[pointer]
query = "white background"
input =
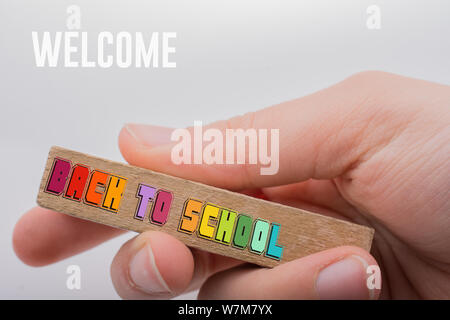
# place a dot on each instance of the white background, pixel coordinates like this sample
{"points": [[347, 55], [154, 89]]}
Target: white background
{"points": [[232, 57]]}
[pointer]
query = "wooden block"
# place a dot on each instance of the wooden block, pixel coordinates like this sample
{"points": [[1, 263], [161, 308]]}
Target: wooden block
{"points": [[201, 216]]}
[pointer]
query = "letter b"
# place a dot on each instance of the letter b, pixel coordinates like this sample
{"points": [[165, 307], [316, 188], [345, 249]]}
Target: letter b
{"points": [[58, 176]]}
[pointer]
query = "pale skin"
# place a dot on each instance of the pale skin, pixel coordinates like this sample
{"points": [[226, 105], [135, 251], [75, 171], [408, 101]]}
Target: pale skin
{"points": [[373, 149]]}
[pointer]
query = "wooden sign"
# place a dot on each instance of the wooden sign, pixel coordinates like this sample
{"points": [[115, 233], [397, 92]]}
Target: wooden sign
{"points": [[201, 216]]}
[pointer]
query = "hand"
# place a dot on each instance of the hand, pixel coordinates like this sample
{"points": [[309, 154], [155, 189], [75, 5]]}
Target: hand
{"points": [[373, 149]]}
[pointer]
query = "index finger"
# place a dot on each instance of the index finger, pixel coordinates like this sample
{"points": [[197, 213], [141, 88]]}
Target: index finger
{"points": [[43, 236]]}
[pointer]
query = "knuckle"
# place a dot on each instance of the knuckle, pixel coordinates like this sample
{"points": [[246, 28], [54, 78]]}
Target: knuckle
{"points": [[368, 75]]}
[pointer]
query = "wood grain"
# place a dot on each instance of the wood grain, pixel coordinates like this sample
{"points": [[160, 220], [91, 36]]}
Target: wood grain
{"points": [[301, 232]]}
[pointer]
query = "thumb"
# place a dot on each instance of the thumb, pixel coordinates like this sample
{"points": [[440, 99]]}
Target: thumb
{"points": [[338, 273], [320, 137]]}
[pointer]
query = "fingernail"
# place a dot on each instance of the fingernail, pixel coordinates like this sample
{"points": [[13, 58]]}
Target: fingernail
{"points": [[144, 273], [344, 279], [148, 135]]}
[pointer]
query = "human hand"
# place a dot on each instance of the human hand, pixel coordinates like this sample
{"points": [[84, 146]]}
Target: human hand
{"points": [[373, 149]]}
